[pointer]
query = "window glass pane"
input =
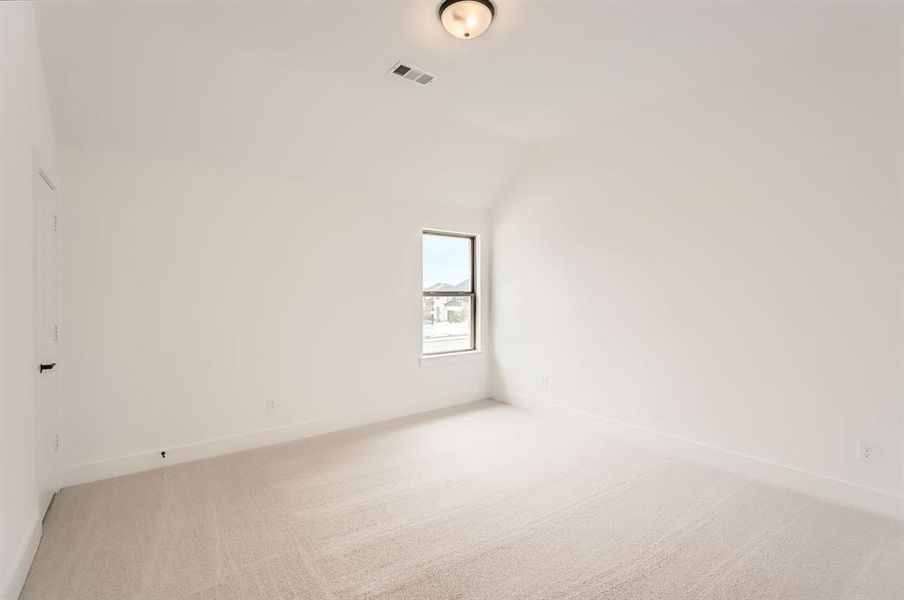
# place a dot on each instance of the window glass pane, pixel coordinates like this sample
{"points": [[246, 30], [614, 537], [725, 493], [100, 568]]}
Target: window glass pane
{"points": [[447, 263], [447, 324]]}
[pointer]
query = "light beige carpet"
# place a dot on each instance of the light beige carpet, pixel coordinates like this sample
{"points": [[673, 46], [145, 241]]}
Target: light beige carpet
{"points": [[484, 502]]}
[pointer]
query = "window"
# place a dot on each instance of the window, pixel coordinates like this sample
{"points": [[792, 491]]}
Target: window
{"points": [[449, 300]]}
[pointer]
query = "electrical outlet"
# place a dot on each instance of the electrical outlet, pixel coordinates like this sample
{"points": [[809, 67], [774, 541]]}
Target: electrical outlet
{"points": [[866, 452], [544, 382], [271, 405]]}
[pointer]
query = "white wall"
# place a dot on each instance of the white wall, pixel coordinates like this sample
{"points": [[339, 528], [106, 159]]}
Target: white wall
{"points": [[726, 265], [26, 141], [191, 294]]}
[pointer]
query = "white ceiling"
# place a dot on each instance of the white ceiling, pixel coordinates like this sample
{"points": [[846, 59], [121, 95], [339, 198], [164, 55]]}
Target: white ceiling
{"points": [[301, 77]]}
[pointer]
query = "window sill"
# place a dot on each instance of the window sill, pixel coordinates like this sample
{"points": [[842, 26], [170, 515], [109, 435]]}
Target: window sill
{"points": [[452, 358]]}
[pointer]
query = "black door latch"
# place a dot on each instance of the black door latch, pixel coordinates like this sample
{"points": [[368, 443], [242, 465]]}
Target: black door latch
{"points": [[46, 367]]}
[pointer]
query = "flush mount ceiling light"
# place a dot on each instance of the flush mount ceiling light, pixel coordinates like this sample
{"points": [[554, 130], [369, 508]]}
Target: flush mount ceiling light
{"points": [[466, 19]]}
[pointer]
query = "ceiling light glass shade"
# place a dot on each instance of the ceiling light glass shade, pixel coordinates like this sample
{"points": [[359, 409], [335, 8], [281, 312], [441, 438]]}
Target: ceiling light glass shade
{"points": [[466, 19]]}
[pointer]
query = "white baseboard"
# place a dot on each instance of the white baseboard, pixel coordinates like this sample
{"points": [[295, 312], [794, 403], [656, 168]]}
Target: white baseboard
{"points": [[144, 461], [799, 480], [11, 585]]}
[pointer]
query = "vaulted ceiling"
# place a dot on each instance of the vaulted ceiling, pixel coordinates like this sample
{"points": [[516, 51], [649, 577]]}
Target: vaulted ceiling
{"points": [[270, 84]]}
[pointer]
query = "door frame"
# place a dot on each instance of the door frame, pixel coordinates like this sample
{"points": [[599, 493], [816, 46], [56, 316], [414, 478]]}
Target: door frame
{"points": [[46, 481]]}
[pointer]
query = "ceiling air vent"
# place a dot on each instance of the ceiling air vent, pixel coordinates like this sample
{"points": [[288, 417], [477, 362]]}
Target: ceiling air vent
{"points": [[412, 73]]}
